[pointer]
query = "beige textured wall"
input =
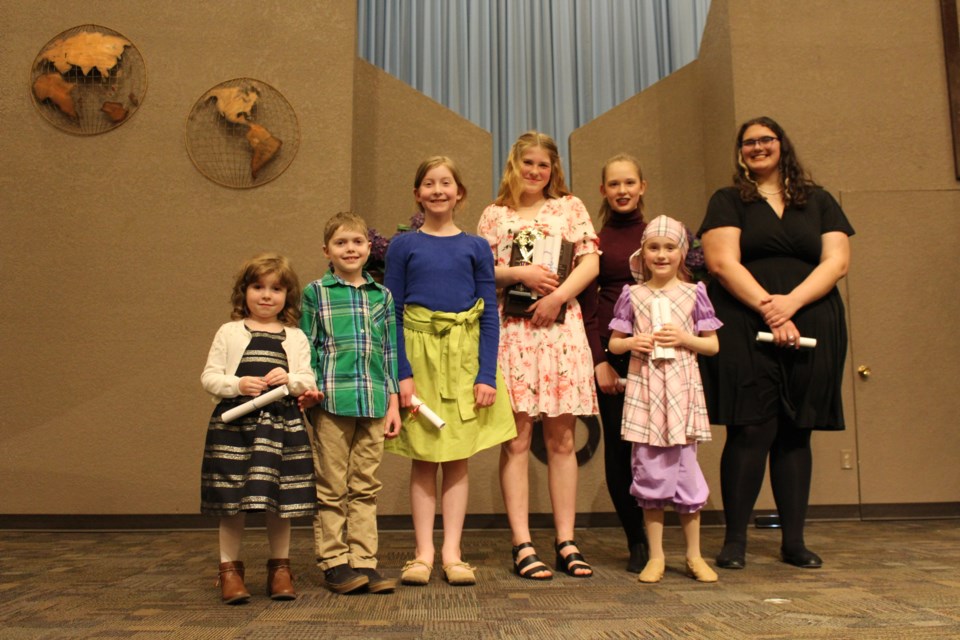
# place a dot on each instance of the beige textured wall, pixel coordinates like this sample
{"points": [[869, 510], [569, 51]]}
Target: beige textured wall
{"points": [[134, 251], [120, 254], [863, 96], [395, 128]]}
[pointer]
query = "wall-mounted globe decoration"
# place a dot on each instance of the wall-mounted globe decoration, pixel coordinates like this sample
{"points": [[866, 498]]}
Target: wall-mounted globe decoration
{"points": [[242, 133], [88, 80]]}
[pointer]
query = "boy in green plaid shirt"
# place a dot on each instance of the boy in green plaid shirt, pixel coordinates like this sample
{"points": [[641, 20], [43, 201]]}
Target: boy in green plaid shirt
{"points": [[350, 322]]}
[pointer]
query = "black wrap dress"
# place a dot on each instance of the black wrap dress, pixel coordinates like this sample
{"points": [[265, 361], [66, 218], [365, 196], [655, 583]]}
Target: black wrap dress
{"points": [[750, 382]]}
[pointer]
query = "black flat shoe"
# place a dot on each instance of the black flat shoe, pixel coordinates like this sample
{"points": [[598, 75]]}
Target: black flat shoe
{"points": [[572, 562], [803, 558], [639, 555], [732, 556]]}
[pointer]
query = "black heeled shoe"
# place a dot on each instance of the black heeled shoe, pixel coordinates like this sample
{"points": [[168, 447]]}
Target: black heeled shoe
{"points": [[732, 556], [531, 565], [803, 558], [573, 561], [639, 554]]}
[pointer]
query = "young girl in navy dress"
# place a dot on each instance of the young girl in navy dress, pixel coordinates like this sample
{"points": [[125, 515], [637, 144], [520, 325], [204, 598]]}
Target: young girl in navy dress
{"points": [[665, 322], [448, 330], [261, 461]]}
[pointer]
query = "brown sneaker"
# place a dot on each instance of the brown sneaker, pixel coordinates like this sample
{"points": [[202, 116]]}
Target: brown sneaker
{"points": [[344, 579], [377, 583], [232, 589]]}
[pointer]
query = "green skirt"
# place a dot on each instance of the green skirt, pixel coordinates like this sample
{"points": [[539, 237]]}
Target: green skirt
{"points": [[444, 352]]}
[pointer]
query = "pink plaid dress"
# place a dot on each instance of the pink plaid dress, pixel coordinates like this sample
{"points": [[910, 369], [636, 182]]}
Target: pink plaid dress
{"points": [[664, 404]]}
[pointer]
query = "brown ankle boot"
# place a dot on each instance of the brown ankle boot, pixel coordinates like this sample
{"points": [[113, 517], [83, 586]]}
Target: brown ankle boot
{"points": [[231, 584], [280, 580]]}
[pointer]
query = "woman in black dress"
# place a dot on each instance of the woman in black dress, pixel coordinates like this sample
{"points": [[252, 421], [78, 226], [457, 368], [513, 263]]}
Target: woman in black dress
{"points": [[776, 245]]}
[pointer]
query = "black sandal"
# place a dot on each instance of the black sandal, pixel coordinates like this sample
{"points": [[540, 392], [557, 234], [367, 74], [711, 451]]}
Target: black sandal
{"points": [[528, 562], [572, 561]]}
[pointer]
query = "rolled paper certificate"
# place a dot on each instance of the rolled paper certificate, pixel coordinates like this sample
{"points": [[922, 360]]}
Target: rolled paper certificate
{"points": [[252, 405], [764, 336], [546, 252], [550, 258], [659, 316], [417, 406]]}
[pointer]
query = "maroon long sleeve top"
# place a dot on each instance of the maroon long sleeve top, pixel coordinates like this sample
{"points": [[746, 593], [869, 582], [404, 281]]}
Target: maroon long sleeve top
{"points": [[619, 238]]}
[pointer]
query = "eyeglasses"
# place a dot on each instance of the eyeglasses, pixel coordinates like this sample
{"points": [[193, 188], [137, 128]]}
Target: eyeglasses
{"points": [[750, 143]]}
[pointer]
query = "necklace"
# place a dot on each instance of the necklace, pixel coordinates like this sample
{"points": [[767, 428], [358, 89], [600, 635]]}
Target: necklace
{"points": [[770, 193]]}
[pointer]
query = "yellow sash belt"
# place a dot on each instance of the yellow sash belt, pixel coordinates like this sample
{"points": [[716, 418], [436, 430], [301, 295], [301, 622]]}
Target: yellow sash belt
{"points": [[454, 355]]}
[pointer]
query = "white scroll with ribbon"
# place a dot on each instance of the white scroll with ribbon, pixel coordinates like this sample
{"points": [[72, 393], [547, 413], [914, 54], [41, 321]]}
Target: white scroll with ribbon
{"points": [[765, 336], [418, 407], [257, 403], [659, 316]]}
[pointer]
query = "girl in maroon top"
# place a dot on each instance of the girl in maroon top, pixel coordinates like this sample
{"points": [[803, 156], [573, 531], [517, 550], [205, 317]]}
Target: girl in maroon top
{"points": [[621, 217]]}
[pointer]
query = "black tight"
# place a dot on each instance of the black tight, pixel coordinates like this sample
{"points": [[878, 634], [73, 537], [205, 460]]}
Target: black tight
{"points": [[618, 459], [742, 466]]}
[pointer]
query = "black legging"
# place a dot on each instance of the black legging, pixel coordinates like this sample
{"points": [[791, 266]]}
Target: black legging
{"points": [[617, 457], [742, 466]]}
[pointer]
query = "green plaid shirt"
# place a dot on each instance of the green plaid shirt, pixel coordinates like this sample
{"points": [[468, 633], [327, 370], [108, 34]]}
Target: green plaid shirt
{"points": [[353, 344]]}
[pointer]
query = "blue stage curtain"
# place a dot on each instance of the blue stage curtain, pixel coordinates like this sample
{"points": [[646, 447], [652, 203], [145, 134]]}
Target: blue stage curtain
{"points": [[513, 65]]}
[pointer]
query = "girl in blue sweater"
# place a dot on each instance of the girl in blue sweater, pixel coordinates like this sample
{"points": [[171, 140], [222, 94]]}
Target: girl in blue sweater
{"points": [[448, 332]]}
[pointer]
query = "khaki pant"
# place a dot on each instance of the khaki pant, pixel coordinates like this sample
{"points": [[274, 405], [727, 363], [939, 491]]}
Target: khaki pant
{"points": [[346, 456]]}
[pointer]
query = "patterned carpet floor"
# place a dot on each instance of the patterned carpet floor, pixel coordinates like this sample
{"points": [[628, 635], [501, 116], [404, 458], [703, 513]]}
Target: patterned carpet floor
{"points": [[880, 580]]}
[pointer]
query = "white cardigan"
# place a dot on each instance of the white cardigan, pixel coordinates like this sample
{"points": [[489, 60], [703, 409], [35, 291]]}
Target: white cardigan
{"points": [[219, 379]]}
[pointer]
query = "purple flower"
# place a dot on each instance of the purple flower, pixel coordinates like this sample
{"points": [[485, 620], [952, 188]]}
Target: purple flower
{"points": [[378, 249], [416, 220], [695, 260]]}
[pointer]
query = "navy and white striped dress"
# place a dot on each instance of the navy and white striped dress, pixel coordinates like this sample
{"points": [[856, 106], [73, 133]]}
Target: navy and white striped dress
{"points": [[261, 461]]}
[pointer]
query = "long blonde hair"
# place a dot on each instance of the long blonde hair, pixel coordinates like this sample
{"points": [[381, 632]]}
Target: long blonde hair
{"points": [[511, 182]]}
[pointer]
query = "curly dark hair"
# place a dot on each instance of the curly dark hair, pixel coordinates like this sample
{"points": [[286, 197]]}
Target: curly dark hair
{"points": [[796, 182], [257, 267]]}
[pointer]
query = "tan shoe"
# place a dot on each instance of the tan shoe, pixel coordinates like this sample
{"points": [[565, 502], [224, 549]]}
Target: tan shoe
{"points": [[459, 574], [653, 572], [416, 572], [230, 580], [280, 580], [697, 568]]}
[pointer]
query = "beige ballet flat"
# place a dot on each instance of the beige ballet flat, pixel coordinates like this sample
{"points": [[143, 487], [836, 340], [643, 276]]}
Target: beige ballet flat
{"points": [[653, 572], [697, 568], [459, 574], [416, 572]]}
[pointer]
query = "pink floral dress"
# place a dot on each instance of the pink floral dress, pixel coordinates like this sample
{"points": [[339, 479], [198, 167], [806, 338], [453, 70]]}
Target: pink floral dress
{"points": [[548, 370]]}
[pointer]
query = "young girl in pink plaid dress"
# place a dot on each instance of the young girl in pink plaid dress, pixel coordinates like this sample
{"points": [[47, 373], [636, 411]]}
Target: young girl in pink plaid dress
{"points": [[665, 321]]}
